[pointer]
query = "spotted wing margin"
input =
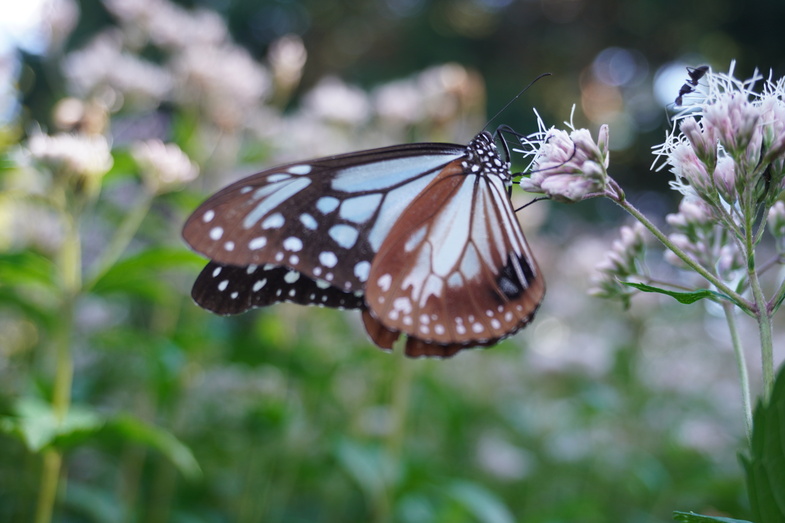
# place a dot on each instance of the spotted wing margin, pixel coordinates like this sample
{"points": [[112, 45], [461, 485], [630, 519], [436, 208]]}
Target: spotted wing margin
{"points": [[307, 216], [228, 289], [455, 271]]}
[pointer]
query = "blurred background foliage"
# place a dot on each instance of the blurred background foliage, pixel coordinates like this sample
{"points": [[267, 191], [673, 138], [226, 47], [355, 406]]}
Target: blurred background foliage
{"points": [[592, 414]]}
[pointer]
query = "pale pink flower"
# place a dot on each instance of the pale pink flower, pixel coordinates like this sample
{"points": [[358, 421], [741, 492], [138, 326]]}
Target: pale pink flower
{"points": [[569, 167]]}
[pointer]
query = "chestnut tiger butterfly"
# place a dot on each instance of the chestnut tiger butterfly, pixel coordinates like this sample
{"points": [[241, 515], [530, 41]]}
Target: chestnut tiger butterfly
{"points": [[422, 238]]}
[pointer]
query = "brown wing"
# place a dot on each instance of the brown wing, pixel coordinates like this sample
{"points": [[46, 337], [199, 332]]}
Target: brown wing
{"points": [[455, 270]]}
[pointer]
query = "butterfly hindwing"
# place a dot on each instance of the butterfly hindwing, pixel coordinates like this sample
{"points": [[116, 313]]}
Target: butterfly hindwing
{"points": [[228, 289]]}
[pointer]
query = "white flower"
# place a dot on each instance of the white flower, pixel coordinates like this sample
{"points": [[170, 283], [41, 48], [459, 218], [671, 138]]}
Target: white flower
{"points": [[86, 156], [103, 63], [225, 80], [165, 167], [333, 100]]}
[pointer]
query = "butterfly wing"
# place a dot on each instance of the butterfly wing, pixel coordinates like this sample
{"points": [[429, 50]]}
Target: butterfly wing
{"points": [[455, 270], [325, 218], [228, 289]]}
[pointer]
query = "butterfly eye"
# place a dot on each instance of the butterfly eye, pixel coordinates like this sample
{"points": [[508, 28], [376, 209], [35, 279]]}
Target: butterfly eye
{"points": [[421, 237]]}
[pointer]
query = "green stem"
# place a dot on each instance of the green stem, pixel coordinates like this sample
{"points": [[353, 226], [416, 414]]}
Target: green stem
{"points": [[741, 363], [120, 239], [70, 263], [399, 407], [762, 312], [763, 317], [738, 300]]}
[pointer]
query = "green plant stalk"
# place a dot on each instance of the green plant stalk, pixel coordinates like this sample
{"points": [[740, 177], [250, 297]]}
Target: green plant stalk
{"points": [[737, 299], [401, 391], [763, 317], [741, 363], [70, 263], [121, 238]]}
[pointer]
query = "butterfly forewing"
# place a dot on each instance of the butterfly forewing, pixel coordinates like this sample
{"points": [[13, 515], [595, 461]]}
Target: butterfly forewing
{"points": [[228, 289], [325, 218], [455, 269]]}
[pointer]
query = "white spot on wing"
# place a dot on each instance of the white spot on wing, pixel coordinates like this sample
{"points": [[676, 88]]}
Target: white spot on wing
{"points": [[308, 221], [216, 233], [360, 208], [344, 235], [208, 216], [257, 286], [384, 282], [327, 204], [257, 243], [361, 270], [328, 259], [278, 177], [300, 169], [273, 221], [272, 196], [293, 244], [291, 276], [223, 285]]}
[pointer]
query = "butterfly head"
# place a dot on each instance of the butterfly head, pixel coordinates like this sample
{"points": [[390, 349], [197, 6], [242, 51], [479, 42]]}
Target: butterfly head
{"points": [[483, 156]]}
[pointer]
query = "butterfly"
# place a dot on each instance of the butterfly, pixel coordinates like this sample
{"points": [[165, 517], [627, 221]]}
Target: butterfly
{"points": [[422, 238]]}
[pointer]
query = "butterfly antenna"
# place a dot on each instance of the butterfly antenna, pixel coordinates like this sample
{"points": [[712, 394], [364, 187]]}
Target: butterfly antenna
{"points": [[495, 116], [538, 199]]}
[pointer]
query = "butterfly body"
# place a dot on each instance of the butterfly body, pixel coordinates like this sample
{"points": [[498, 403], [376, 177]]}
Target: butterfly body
{"points": [[421, 237]]}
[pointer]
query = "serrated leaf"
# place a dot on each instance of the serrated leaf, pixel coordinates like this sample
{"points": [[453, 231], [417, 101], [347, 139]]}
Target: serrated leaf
{"points": [[482, 503], [692, 517], [682, 297], [765, 467]]}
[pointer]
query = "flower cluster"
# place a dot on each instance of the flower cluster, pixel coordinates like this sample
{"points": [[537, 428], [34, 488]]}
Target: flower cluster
{"points": [[569, 167], [729, 149], [622, 263], [165, 167], [81, 156]]}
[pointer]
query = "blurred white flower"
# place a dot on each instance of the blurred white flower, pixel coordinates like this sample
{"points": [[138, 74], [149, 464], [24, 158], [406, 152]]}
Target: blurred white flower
{"points": [[224, 80], [103, 63], [287, 57], [86, 156], [165, 167], [621, 263], [168, 25], [333, 100]]}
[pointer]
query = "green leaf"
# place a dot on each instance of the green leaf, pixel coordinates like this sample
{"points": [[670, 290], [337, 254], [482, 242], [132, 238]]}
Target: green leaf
{"points": [[369, 466], [38, 427], [692, 517], [765, 466], [132, 274], [134, 430], [682, 297], [483, 504], [27, 268]]}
